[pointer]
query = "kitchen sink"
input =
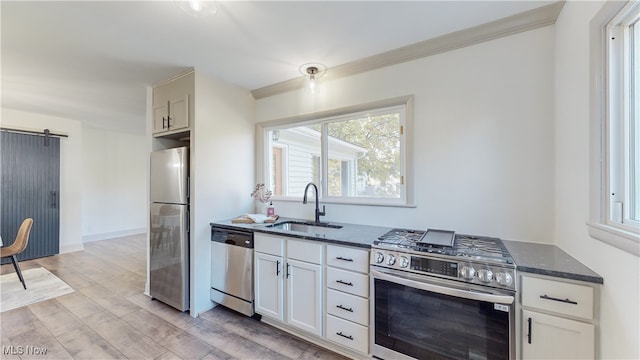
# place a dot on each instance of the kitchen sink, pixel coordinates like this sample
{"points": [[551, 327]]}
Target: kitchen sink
{"points": [[307, 227]]}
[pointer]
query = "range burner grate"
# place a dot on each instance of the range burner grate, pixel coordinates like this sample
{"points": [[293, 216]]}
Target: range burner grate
{"points": [[467, 246], [402, 236], [481, 247]]}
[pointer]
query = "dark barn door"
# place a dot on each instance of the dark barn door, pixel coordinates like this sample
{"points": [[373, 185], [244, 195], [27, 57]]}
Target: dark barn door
{"points": [[30, 187]]}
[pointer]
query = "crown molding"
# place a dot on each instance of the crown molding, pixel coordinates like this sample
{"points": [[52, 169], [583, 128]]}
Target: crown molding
{"points": [[529, 20]]}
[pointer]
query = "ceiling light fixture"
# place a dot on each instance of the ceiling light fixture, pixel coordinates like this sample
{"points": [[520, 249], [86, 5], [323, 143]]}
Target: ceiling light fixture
{"points": [[199, 8], [313, 72]]}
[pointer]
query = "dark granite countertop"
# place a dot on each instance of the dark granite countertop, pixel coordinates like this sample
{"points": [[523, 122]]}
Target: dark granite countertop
{"points": [[550, 260], [350, 234], [542, 259]]}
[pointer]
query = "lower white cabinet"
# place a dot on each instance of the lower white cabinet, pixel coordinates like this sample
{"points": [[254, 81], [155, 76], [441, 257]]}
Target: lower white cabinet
{"points": [[318, 288], [348, 334], [289, 281], [554, 337], [558, 318], [304, 296], [348, 297], [269, 285]]}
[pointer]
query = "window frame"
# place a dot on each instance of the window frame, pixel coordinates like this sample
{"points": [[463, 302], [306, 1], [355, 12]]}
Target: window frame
{"points": [[610, 152], [264, 143]]}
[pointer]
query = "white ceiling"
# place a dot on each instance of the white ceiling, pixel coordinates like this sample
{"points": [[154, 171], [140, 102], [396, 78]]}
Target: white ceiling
{"points": [[91, 61]]}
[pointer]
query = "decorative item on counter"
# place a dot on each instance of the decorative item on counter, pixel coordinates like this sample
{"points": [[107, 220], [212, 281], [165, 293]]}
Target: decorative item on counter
{"points": [[262, 196], [254, 218], [271, 211]]}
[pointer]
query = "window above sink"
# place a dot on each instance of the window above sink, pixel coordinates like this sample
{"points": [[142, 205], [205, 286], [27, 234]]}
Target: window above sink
{"points": [[357, 155]]}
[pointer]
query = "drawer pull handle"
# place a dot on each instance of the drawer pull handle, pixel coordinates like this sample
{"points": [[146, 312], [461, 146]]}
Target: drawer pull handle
{"points": [[529, 333], [546, 297], [344, 308], [277, 268], [344, 282], [344, 259], [344, 336]]}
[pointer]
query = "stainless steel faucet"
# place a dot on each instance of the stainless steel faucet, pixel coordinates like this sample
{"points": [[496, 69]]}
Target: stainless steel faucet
{"points": [[304, 201]]}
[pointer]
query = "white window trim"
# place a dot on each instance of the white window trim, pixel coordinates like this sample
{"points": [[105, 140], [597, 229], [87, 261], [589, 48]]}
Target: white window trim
{"points": [[263, 143], [622, 236]]}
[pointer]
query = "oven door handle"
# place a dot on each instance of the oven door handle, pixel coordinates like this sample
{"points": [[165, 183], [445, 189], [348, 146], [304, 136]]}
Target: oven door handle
{"points": [[466, 294]]}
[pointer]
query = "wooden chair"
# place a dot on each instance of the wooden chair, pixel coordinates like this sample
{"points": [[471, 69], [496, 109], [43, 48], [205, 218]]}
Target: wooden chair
{"points": [[18, 246]]}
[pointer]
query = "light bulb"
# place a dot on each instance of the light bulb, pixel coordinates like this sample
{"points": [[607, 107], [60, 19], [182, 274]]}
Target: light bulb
{"points": [[312, 84], [195, 5], [198, 8]]}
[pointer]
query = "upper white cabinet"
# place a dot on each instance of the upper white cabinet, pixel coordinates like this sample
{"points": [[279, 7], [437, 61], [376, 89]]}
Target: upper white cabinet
{"points": [[173, 105], [558, 319], [289, 281]]}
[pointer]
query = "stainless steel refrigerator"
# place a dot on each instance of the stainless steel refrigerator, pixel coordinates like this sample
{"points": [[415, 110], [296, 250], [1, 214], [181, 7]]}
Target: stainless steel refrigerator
{"points": [[169, 227]]}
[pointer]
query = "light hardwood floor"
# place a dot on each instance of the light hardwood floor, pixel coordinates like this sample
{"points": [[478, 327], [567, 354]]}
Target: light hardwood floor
{"points": [[109, 317]]}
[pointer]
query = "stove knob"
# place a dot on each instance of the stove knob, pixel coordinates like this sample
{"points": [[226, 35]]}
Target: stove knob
{"points": [[404, 262], [504, 279], [485, 275], [379, 258], [468, 272], [391, 260]]}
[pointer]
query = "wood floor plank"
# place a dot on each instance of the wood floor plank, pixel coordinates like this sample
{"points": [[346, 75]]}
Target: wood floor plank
{"points": [[176, 340], [17, 321], [123, 337], [84, 343], [79, 304], [40, 343]]}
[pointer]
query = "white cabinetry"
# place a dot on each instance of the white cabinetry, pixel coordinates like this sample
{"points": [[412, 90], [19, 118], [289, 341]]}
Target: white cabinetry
{"points": [[269, 285], [348, 297], [172, 105], [558, 319], [289, 281]]}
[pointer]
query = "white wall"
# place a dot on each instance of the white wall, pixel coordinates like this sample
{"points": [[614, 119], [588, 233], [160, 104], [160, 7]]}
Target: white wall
{"points": [[483, 137], [620, 297], [222, 160], [114, 168], [70, 170]]}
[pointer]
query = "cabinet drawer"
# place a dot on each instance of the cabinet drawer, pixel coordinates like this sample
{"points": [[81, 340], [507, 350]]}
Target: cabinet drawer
{"points": [[557, 296], [348, 281], [268, 244], [348, 258], [349, 307], [305, 251], [348, 334]]}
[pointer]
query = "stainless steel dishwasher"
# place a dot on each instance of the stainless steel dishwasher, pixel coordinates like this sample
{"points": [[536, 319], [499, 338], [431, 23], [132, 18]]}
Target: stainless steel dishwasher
{"points": [[232, 269]]}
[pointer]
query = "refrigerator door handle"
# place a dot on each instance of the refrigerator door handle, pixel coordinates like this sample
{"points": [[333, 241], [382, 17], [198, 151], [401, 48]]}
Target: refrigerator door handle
{"points": [[188, 225]]}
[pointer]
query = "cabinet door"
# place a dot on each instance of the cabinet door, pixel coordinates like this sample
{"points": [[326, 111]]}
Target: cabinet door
{"points": [[160, 118], [269, 285], [552, 337], [304, 297], [179, 109]]}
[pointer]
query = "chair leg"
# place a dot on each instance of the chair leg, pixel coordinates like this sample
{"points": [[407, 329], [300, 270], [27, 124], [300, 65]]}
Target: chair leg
{"points": [[15, 265]]}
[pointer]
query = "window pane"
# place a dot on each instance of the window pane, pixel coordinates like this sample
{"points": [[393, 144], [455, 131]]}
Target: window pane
{"points": [[364, 157], [294, 162], [634, 124]]}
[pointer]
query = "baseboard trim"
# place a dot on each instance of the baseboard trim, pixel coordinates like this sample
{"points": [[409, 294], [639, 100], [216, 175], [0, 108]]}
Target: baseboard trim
{"points": [[113, 234], [71, 248]]}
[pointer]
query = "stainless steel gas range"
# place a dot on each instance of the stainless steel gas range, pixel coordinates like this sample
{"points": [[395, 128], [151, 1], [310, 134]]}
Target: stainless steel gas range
{"points": [[439, 295]]}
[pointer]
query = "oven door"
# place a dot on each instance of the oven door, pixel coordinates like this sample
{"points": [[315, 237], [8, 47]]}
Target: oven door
{"points": [[421, 317]]}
